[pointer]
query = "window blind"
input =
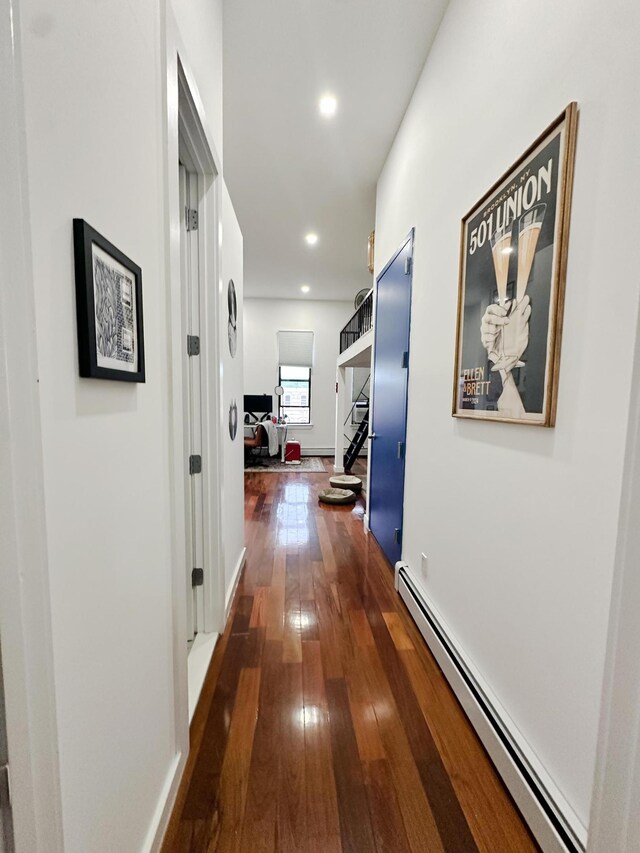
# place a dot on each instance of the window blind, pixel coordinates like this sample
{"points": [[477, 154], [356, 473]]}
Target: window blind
{"points": [[295, 348]]}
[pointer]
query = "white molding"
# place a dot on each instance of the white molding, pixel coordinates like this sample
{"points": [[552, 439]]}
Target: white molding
{"points": [[200, 655], [365, 522], [234, 584], [534, 814], [25, 607], [175, 402]]}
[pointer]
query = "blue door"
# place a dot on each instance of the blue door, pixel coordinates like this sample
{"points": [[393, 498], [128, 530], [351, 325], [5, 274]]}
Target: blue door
{"points": [[389, 417]]}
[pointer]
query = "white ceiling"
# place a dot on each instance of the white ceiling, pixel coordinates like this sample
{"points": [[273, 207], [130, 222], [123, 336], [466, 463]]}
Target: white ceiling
{"points": [[288, 169]]}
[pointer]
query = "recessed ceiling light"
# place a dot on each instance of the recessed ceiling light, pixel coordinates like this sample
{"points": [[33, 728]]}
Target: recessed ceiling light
{"points": [[305, 288], [328, 105], [311, 239]]}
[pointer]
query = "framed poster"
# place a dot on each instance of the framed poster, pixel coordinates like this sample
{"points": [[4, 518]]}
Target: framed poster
{"points": [[513, 256], [108, 308]]}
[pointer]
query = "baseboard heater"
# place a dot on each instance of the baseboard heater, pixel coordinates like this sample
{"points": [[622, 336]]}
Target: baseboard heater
{"points": [[552, 821]]}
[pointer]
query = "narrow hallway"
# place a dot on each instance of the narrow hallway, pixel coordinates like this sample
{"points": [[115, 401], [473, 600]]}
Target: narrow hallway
{"points": [[325, 725]]}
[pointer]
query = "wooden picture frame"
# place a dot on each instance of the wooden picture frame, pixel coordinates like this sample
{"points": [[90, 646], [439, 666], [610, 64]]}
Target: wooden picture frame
{"points": [[513, 257], [108, 308]]}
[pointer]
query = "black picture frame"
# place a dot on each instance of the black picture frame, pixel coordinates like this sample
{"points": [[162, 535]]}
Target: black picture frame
{"points": [[119, 340]]}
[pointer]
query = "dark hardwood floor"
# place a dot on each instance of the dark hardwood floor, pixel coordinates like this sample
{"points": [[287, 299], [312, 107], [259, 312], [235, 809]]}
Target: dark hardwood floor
{"points": [[325, 724]]}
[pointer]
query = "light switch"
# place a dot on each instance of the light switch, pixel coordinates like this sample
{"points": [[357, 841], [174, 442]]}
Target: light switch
{"points": [[423, 565]]}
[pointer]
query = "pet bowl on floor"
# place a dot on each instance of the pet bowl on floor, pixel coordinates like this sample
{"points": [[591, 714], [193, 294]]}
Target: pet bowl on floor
{"points": [[346, 481], [337, 496]]}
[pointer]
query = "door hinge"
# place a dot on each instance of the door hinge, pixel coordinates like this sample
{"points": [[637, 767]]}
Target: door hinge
{"points": [[397, 536], [193, 345], [5, 787], [407, 265], [197, 577], [400, 449], [195, 464], [191, 218], [405, 359]]}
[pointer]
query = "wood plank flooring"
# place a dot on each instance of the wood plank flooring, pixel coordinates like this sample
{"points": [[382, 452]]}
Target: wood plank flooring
{"points": [[325, 725]]}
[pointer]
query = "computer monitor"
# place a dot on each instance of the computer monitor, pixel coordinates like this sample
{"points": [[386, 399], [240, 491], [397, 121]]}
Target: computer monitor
{"points": [[258, 404]]}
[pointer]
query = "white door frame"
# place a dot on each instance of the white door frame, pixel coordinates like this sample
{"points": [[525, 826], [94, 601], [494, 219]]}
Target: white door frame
{"points": [[186, 128], [184, 271], [196, 149], [25, 616], [195, 418]]}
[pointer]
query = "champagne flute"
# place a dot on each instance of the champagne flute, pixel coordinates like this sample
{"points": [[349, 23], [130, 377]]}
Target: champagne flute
{"points": [[501, 250], [529, 227]]}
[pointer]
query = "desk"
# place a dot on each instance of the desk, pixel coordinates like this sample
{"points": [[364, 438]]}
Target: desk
{"points": [[282, 429], [282, 438]]}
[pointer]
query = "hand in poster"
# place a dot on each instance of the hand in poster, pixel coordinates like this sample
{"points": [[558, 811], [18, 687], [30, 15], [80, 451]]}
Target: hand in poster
{"points": [[493, 320], [510, 402], [515, 337]]}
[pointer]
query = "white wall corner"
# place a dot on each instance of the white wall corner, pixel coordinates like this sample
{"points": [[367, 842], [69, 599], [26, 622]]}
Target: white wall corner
{"points": [[166, 801], [25, 602], [616, 798]]}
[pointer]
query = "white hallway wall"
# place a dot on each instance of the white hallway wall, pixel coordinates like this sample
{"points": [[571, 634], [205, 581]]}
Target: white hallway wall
{"points": [[263, 319], [232, 382], [519, 523], [95, 128]]}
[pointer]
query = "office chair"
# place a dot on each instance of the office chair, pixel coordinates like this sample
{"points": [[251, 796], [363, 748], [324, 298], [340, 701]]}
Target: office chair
{"points": [[254, 447]]}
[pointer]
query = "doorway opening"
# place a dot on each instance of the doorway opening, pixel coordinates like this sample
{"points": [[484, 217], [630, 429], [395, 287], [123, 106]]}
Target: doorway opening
{"points": [[388, 434], [197, 421], [193, 414]]}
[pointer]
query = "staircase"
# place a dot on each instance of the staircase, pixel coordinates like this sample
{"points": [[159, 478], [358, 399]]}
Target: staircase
{"points": [[357, 441]]}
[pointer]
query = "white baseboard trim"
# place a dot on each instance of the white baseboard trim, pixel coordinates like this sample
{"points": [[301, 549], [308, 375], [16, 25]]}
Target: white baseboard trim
{"points": [[365, 521], [158, 826], [231, 591], [551, 819], [198, 661]]}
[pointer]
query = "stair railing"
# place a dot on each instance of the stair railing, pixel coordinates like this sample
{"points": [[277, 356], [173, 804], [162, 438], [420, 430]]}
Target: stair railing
{"points": [[359, 324]]}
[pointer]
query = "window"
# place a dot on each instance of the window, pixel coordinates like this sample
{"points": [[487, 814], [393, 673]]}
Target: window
{"points": [[295, 403], [295, 358]]}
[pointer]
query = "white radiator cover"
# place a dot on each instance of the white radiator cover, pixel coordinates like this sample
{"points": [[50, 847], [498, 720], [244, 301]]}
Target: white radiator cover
{"points": [[551, 819]]}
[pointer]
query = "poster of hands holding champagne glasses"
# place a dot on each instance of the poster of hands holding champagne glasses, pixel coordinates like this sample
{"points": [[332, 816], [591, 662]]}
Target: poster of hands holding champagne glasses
{"points": [[512, 272]]}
